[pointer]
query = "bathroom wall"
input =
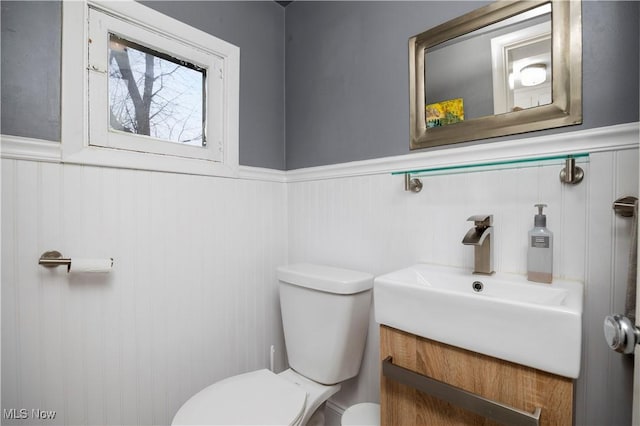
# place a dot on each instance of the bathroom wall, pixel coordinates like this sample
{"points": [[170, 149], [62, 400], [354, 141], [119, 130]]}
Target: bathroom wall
{"points": [[257, 27], [193, 294], [31, 37], [366, 221], [192, 297], [347, 101], [347, 73], [30, 66]]}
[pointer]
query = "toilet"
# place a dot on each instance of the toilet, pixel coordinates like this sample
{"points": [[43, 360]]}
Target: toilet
{"points": [[325, 316]]}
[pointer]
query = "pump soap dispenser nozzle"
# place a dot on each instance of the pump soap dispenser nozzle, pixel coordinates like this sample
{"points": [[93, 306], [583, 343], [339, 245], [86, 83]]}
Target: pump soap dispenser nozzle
{"points": [[540, 220]]}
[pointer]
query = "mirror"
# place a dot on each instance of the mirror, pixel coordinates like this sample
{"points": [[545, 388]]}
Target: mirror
{"points": [[506, 68]]}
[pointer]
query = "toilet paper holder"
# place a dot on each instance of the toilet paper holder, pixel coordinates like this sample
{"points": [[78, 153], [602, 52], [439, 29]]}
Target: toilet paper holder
{"points": [[53, 259]]}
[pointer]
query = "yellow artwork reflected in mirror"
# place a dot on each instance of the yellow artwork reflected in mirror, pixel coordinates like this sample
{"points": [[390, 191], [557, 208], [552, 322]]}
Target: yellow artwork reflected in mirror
{"points": [[444, 113]]}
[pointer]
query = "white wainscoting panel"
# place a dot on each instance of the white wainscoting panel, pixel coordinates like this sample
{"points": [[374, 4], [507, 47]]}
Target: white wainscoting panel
{"points": [[370, 223], [192, 297], [604, 389]]}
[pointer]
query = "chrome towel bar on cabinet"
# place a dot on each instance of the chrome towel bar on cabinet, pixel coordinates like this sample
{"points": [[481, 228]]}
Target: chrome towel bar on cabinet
{"points": [[493, 410]]}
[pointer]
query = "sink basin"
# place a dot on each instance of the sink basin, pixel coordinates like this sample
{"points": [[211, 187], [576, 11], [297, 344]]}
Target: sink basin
{"points": [[537, 325]]}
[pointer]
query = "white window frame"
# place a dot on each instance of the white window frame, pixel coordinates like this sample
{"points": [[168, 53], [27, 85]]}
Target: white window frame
{"points": [[86, 136]]}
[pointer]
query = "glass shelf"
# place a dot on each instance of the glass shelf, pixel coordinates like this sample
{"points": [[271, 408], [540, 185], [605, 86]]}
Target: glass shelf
{"points": [[582, 157]]}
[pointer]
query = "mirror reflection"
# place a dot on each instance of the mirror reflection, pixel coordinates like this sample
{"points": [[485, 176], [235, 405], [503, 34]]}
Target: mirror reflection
{"points": [[500, 68]]}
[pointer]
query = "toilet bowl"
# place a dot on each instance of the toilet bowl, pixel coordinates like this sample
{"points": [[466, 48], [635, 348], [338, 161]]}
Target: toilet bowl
{"points": [[325, 315]]}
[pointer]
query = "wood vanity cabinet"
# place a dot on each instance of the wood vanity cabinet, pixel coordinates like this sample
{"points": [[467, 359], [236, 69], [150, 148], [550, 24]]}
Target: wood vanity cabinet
{"points": [[512, 384]]}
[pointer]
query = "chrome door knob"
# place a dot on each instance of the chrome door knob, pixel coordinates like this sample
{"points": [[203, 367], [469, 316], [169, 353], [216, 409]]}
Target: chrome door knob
{"points": [[621, 334]]}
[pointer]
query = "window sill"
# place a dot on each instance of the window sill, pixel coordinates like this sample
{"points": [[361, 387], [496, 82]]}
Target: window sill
{"points": [[125, 159], [21, 148]]}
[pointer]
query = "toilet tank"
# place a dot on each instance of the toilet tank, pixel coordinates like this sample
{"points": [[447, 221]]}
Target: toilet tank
{"points": [[325, 316]]}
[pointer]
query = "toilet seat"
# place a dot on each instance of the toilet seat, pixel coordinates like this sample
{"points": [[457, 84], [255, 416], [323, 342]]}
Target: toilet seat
{"points": [[259, 397]]}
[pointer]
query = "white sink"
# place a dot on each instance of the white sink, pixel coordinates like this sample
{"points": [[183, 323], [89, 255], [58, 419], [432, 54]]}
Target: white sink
{"points": [[537, 325]]}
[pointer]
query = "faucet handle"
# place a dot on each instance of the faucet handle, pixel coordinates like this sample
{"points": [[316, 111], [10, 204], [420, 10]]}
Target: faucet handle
{"points": [[482, 219]]}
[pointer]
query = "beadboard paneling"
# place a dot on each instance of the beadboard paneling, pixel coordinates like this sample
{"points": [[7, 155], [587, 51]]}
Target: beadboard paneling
{"points": [[604, 389], [370, 223], [192, 297]]}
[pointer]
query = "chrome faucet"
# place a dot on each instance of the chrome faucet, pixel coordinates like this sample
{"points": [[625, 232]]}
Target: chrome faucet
{"points": [[480, 238]]}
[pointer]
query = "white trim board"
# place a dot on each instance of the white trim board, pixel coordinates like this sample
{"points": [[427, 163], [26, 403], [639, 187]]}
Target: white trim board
{"points": [[31, 149], [262, 174], [610, 138]]}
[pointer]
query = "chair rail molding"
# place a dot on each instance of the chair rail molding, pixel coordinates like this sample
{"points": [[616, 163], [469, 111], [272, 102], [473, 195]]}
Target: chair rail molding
{"points": [[610, 138], [31, 149]]}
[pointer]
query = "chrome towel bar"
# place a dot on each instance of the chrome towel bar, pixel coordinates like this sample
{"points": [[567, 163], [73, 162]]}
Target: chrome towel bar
{"points": [[493, 410]]}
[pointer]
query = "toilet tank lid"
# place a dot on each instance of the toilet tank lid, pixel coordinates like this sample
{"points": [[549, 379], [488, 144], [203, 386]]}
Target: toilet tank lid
{"points": [[325, 278]]}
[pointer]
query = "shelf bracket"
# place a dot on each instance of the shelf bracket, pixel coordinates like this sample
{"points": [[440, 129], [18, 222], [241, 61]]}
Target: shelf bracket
{"points": [[571, 173], [413, 185]]}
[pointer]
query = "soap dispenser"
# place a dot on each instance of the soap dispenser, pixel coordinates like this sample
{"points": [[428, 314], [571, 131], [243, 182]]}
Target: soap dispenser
{"points": [[540, 251]]}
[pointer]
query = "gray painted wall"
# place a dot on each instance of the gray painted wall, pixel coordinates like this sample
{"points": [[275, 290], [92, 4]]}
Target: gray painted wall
{"points": [[30, 69], [257, 27], [31, 34], [347, 74]]}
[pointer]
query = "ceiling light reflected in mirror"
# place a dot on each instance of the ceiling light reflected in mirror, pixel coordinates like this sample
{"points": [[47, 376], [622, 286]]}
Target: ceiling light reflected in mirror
{"points": [[533, 75]]}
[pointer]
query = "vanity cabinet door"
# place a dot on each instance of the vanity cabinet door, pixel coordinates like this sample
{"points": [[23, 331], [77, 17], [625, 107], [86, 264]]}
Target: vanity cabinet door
{"points": [[515, 385]]}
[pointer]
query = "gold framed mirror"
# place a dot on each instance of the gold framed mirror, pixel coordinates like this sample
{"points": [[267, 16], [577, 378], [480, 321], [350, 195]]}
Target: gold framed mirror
{"points": [[535, 73]]}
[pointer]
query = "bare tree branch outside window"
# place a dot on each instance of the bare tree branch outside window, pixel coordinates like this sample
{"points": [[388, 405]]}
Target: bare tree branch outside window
{"points": [[153, 94]]}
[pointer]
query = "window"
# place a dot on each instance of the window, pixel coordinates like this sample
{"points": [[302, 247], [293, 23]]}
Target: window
{"points": [[158, 93]]}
